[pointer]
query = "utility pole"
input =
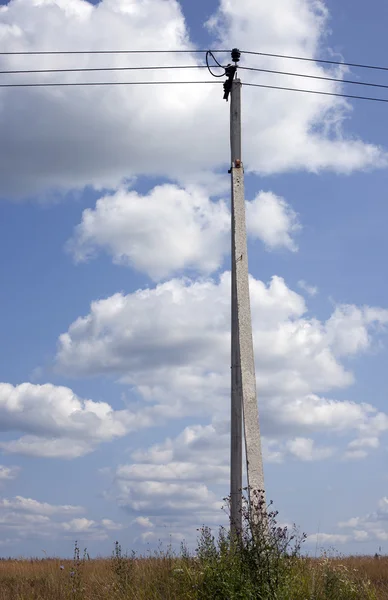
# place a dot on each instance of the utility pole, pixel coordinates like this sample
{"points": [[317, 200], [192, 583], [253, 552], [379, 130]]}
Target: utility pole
{"points": [[244, 409]]}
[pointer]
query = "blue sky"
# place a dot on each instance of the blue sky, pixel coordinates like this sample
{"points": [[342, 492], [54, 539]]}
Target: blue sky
{"points": [[108, 191]]}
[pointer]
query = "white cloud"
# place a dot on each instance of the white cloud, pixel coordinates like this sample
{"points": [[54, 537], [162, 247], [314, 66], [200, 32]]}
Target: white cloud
{"points": [[204, 450], [371, 527], [359, 447], [29, 518], [28, 505], [40, 446], [165, 231], [171, 229], [57, 423], [355, 454], [312, 290], [144, 522], [348, 330], [83, 525], [172, 483], [272, 220], [327, 539], [304, 449], [7, 473], [172, 344], [157, 497], [292, 133], [199, 456], [174, 471], [101, 135]]}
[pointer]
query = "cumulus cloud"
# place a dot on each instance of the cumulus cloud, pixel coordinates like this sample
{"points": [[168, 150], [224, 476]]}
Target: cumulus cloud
{"points": [[7, 473], [371, 527], [144, 522], [29, 505], [176, 480], [348, 328], [174, 497], [163, 232], [172, 343], [327, 539], [58, 424], [304, 449], [29, 518], [272, 220], [100, 136], [311, 290], [171, 229], [360, 447], [199, 454]]}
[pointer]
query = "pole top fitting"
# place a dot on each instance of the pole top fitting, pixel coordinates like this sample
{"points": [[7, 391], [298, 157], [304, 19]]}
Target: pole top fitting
{"points": [[236, 54], [230, 71]]}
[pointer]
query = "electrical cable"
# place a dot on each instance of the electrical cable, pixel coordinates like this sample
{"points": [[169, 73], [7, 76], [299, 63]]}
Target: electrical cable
{"points": [[316, 60], [38, 52], [167, 67], [95, 83], [210, 53], [155, 68], [258, 85], [320, 77], [277, 87], [192, 51], [89, 69]]}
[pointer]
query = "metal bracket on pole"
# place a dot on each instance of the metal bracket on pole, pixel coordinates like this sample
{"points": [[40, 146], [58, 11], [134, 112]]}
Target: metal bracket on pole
{"points": [[230, 72]]}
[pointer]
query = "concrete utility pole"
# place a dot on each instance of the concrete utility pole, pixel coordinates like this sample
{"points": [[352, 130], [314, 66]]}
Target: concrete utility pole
{"points": [[244, 407]]}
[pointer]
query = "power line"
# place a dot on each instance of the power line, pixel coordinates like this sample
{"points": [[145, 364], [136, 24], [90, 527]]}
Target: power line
{"points": [[39, 52], [277, 87], [317, 60], [87, 69], [258, 85], [320, 77], [192, 51], [96, 83], [167, 67]]}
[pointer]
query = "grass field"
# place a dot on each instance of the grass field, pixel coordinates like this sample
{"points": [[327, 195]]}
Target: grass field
{"points": [[166, 578], [265, 562]]}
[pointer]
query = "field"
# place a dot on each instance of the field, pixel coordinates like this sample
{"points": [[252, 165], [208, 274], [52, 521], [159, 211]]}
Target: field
{"points": [[376, 570], [261, 562], [165, 578]]}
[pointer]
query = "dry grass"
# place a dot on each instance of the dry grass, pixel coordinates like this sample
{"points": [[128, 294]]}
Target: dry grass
{"points": [[148, 578], [376, 570]]}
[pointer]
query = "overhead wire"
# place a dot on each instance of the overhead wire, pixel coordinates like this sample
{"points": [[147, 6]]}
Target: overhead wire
{"points": [[177, 67], [192, 51], [319, 77], [96, 83], [316, 60], [47, 52], [108, 83], [208, 54], [90, 69], [278, 87]]}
